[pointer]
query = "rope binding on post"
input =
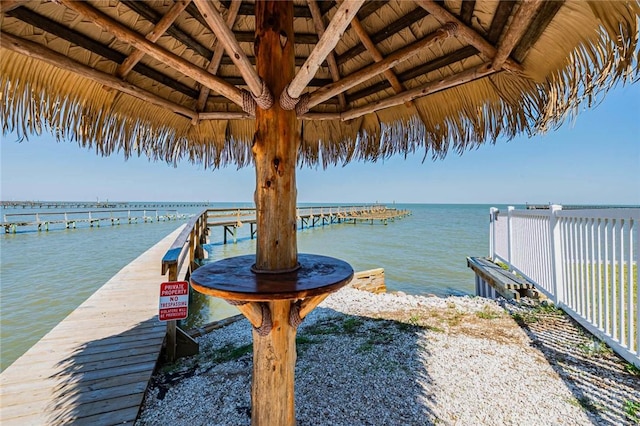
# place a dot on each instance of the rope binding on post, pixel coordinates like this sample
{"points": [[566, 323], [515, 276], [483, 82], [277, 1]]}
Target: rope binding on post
{"points": [[250, 101], [266, 325], [301, 104]]}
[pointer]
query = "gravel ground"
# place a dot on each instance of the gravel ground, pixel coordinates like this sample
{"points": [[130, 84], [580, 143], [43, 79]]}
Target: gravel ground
{"points": [[393, 359]]}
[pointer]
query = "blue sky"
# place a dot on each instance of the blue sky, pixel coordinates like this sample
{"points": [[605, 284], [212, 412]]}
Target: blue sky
{"points": [[594, 159]]}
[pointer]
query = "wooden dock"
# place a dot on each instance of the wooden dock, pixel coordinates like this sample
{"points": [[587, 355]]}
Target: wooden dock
{"points": [[42, 221], [94, 367], [306, 217]]}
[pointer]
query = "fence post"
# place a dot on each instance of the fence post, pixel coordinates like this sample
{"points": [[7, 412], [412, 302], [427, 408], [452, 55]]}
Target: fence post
{"points": [[555, 238], [510, 209], [493, 217]]}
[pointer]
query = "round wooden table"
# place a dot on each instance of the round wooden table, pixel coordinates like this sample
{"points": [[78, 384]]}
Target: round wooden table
{"points": [[233, 279], [275, 304]]}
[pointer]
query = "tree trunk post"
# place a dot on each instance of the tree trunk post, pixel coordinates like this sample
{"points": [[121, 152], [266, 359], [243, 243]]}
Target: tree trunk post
{"points": [[275, 150]]}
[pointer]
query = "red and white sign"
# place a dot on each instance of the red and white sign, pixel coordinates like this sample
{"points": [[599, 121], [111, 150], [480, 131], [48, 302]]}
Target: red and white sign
{"points": [[174, 301]]}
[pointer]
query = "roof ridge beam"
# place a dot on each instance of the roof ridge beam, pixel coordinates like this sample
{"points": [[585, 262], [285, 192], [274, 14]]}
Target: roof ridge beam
{"points": [[179, 64], [467, 33]]}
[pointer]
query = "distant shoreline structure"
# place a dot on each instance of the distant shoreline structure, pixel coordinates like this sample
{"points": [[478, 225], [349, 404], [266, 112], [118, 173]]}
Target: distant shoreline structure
{"points": [[576, 206], [100, 204]]}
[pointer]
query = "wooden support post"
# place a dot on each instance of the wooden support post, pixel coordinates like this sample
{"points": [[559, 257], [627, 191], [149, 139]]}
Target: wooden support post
{"points": [[274, 359], [275, 141], [275, 152]]}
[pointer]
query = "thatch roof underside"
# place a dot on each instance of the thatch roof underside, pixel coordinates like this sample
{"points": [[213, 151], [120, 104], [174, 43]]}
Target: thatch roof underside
{"points": [[436, 77]]}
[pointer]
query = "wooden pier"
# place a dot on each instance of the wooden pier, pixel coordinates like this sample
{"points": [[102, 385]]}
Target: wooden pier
{"points": [[42, 221], [94, 367], [307, 217], [98, 204]]}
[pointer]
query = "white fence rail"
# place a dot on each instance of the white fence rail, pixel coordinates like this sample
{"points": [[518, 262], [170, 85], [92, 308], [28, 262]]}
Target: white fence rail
{"points": [[586, 261]]}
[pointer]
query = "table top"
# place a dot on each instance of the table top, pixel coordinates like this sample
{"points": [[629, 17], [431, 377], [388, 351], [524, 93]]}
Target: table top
{"points": [[233, 279]]}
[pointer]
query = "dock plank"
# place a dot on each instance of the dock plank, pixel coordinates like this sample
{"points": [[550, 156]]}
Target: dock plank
{"points": [[93, 367]]}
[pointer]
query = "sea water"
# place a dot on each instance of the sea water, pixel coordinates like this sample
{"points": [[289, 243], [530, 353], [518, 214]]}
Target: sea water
{"points": [[45, 275]]}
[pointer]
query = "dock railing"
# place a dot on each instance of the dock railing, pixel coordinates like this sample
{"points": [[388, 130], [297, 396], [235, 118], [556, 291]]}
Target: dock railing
{"points": [[182, 257], [586, 261]]}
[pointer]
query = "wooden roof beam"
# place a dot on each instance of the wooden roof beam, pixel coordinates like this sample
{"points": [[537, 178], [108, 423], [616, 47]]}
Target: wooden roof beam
{"points": [[443, 61], [345, 13], [316, 15], [161, 27], [87, 43], [454, 80], [34, 50], [393, 28], [179, 64], [228, 40], [521, 20], [234, 7], [150, 14], [466, 33], [366, 73], [376, 55]]}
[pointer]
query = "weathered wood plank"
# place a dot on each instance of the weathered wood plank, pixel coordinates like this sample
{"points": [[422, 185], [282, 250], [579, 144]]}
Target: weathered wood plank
{"points": [[93, 367]]}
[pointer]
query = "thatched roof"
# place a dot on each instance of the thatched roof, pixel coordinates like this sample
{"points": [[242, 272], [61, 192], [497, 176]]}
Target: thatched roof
{"points": [[405, 76]]}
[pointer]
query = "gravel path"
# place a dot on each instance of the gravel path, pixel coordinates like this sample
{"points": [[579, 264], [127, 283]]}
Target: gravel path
{"points": [[393, 359]]}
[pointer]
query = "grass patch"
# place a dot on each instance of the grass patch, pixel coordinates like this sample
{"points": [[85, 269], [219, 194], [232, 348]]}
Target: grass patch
{"points": [[632, 410], [595, 348], [488, 313], [632, 369], [534, 314], [351, 325], [585, 403], [230, 353]]}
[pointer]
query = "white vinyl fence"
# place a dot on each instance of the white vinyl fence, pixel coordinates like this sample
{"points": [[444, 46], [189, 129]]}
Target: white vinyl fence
{"points": [[586, 261]]}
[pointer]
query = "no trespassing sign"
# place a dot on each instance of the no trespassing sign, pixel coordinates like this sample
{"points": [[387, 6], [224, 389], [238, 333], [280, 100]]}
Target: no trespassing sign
{"points": [[174, 301]]}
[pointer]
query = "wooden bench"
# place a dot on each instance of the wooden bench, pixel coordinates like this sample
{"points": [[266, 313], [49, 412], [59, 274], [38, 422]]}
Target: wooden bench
{"points": [[492, 280]]}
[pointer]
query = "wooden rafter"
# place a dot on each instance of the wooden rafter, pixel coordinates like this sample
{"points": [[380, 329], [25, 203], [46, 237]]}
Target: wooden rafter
{"points": [[376, 55], [366, 73], [34, 50], [444, 61], [150, 14], [466, 33], [85, 42], [545, 15], [521, 21], [179, 64], [466, 11], [473, 74], [298, 11], [153, 36], [228, 40], [400, 24], [316, 15], [234, 7], [326, 44]]}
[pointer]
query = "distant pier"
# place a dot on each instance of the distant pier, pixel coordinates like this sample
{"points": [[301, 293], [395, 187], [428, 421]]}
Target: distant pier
{"points": [[98, 204], [42, 221]]}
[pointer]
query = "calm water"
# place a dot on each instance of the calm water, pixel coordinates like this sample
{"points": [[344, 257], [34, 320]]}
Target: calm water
{"points": [[45, 275]]}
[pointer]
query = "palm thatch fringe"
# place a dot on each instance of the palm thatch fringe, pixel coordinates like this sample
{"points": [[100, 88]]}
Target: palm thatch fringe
{"points": [[42, 98]]}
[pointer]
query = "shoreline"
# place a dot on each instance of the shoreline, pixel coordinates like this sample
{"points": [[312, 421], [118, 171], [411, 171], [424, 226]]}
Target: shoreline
{"points": [[400, 359]]}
